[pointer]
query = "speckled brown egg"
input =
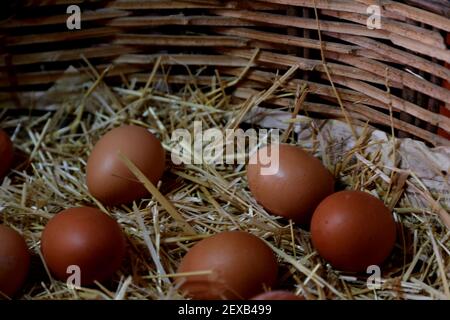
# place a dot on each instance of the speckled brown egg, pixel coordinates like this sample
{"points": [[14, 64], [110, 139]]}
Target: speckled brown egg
{"points": [[238, 266], [277, 295], [353, 230], [83, 237], [6, 153], [296, 188], [14, 261], [108, 178]]}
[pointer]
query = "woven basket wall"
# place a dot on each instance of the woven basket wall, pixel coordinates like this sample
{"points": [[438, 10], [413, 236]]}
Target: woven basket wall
{"points": [[400, 67]]}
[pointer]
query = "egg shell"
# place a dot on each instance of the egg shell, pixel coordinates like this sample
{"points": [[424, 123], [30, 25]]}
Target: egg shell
{"points": [[353, 230], [297, 187], [108, 178], [6, 153], [277, 295], [241, 265], [84, 237], [14, 261]]}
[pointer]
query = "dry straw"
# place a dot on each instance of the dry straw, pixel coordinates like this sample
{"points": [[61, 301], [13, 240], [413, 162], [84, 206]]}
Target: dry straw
{"points": [[194, 201]]}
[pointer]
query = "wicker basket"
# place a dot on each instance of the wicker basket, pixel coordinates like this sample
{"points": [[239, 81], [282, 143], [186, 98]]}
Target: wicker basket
{"points": [[399, 68]]}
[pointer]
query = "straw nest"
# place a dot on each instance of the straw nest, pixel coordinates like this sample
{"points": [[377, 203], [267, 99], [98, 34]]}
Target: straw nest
{"points": [[210, 199]]}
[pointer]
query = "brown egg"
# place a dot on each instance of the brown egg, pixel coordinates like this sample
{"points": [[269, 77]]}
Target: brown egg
{"points": [[14, 261], [240, 263], [6, 153], [295, 189], [277, 295], [83, 237], [108, 178], [353, 230]]}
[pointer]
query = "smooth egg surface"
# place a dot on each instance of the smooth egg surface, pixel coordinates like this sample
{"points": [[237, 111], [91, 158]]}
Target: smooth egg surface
{"points": [[86, 238], [296, 188], [237, 265], [6, 153], [108, 178], [14, 261], [353, 230]]}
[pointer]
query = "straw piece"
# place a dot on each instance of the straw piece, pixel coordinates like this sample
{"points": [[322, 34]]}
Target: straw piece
{"points": [[441, 267], [311, 274], [158, 195], [148, 241]]}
